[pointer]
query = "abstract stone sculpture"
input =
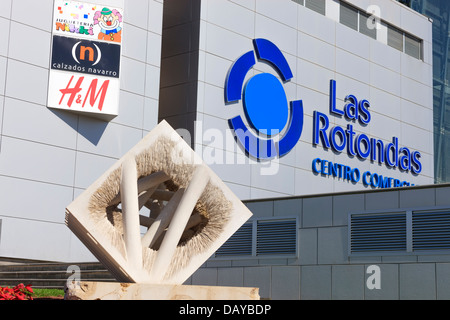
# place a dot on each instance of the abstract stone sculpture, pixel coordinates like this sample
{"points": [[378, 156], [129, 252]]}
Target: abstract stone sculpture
{"points": [[192, 212]]}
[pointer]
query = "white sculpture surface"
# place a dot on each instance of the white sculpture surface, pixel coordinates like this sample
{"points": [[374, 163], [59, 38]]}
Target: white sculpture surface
{"points": [[191, 212]]}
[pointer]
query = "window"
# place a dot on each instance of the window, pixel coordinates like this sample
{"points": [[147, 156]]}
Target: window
{"points": [[413, 46], [395, 38], [348, 16], [316, 5], [262, 237], [356, 19], [364, 23], [413, 232]]}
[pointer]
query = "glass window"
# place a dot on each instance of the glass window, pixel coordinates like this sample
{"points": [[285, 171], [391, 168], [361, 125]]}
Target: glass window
{"points": [[298, 1], [366, 25], [413, 46], [316, 5], [395, 38], [348, 16]]}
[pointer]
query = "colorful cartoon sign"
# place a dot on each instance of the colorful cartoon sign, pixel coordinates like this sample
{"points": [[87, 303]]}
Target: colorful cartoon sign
{"points": [[86, 53], [88, 21]]}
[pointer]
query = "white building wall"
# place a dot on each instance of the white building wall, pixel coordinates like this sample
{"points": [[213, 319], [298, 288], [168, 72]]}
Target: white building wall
{"points": [[48, 157], [318, 48]]}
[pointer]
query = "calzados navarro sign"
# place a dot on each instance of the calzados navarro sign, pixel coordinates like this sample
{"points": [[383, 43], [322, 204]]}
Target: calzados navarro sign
{"points": [[267, 113]]}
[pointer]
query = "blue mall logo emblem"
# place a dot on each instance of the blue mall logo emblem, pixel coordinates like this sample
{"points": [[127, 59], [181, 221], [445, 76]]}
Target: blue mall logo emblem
{"points": [[278, 125]]}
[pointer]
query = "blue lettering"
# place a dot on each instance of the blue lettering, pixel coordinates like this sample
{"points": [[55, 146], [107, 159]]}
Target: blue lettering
{"points": [[350, 135], [392, 149], [351, 108], [405, 159], [365, 175], [363, 139], [365, 116], [333, 109], [377, 143], [338, 131], [374, 183], [321, 133], [323, 166], [314, 165], [417, 166], [356, 175]]}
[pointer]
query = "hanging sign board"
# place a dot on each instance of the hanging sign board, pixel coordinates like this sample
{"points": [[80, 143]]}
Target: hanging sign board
{"points": [[86, 56]]}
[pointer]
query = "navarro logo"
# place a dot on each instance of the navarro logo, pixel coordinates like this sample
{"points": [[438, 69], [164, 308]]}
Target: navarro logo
{"points": [[278, 125], [85, 56]]}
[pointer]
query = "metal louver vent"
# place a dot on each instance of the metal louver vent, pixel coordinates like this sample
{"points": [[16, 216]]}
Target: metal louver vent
{"points": [[431, 230], [262, 237], [378, 232], [276, 237], [240, 243]]}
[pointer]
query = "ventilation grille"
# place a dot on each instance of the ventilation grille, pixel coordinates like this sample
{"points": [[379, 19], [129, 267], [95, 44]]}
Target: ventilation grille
{"points": [[240, 243], [378, 232], [431, 230], [262, 237], [276, 237]]}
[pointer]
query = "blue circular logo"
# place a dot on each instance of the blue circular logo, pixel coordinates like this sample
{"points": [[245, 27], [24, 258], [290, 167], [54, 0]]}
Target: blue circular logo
{"points": [[265, 103]]}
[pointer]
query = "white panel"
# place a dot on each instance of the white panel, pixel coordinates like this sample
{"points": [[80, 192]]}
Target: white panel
{"points": [[137, 13], [353, 41], [332, 9], [132, 76], [417, 115], [40, 124], [417, 70], [50, 241], [283, 36], [385, 79], [352, 66], [231, 16], [45, 201], [225, 43], [35, 82], [385, 56], [316, 51], [382, 102], [37, 161], [416, 92], [316, 25], [284, 11], [313, 76], [135, 45]]}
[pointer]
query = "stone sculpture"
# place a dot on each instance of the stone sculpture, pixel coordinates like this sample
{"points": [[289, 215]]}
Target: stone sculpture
{"points": [[191, 212]]}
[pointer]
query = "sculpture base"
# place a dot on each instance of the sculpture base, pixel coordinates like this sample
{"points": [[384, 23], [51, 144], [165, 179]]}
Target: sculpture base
{"points": [[139, 291]]}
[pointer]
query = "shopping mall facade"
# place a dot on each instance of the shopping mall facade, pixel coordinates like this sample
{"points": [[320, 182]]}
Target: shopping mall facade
{"points": [[326, 117]]}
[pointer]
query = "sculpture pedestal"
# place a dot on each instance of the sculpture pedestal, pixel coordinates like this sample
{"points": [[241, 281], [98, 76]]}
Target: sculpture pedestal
{"points": [[138, 291]]}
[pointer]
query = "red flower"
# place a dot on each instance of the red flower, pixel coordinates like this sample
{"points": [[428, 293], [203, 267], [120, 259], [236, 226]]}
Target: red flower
{"points": [[19, 292]]}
